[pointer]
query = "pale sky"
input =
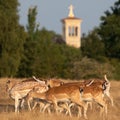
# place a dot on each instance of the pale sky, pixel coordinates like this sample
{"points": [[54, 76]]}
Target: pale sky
{"points": [[50, 12]]}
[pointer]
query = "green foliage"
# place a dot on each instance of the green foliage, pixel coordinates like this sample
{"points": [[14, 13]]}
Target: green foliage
{"points": [[71, 55], [46, 59], [10, 32], [93, 47], [49, 61], [116, 64], [90, 68], [31, 27], [25, 68], [110, 31]]}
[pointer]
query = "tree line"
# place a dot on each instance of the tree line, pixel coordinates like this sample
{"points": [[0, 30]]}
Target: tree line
{"points": [[32, 51]]}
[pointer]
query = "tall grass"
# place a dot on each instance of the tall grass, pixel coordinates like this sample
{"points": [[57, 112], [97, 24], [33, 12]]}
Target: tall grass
{"points": [[34, 115]]}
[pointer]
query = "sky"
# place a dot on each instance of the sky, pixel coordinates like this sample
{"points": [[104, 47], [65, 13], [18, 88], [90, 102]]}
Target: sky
{"points": [[50, 12]]}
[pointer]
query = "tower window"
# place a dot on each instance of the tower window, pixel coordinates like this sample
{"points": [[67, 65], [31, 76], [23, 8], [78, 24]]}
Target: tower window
{"points": [[76, 31], [72, 32], [69, 31]]}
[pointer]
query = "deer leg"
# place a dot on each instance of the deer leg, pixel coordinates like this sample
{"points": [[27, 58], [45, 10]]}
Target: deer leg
{"points": [[17, 102], [22, 103], [35, 104]]}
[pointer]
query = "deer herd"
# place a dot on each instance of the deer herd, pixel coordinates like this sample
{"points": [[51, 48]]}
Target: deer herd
{"points": [[58, 96]]}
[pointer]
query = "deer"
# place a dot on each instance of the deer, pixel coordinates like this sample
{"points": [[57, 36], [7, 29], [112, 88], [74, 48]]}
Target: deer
{"points": [[104, 84], [19, 90], [64, 105], [43, 105], [37, 89], [64, 93], [94, 93], [94, 84], [89, 93]]}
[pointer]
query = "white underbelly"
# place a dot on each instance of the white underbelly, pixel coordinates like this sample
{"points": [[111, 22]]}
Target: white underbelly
{"points": [[19, 94]]}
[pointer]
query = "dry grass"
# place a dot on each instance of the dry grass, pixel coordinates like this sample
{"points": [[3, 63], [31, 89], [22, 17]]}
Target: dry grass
{"points": [[7, 108]]}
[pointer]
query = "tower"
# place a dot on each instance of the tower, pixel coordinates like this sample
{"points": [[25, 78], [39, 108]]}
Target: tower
{"points": [[71, 29]]}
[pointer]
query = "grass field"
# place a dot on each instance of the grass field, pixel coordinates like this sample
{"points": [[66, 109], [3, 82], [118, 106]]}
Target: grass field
{"points": [[7, 108]]}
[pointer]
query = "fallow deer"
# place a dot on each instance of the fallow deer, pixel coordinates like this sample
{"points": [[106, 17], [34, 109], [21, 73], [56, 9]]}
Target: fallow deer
{"points": [[64, 93], [104, 84], [94, 93], [19, 90]]}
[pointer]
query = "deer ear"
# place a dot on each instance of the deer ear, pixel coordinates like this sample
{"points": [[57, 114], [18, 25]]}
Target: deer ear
{"points": [[8, 81]]}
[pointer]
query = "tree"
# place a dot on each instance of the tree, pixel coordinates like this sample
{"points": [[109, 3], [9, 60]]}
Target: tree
{"points": [[30, 46], [11, 36], [92, 46], [110, 31], [71, 55], [32, 26], [47, 62]]}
